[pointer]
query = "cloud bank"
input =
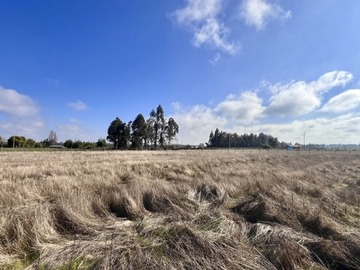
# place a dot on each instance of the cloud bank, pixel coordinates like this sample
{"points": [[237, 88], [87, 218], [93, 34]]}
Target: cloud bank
{"points": [[284, 114]]}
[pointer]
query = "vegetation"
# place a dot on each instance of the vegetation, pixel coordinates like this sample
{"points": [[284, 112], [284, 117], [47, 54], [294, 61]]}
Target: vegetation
{"points": [[221, 139], [179, 210], [156, 131]]}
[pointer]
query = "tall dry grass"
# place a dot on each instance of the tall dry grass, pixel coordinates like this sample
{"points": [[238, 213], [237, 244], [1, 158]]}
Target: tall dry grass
{"points": [[179, 210]]}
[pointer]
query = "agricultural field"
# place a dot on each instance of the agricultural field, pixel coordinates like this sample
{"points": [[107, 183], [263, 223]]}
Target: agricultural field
{"points": [[195, 209]]}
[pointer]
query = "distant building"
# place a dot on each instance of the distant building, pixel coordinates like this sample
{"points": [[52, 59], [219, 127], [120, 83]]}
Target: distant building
{"points": [[58, 146], [293, 147]]}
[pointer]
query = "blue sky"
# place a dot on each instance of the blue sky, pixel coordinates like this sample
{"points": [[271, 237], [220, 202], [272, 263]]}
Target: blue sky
{"points": [[274, 66]]}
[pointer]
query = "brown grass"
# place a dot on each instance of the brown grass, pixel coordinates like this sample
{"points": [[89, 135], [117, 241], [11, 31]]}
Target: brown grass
{"points": [[179, 210]]}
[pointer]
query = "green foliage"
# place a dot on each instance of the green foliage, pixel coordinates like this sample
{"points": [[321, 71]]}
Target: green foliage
{"points": [[101, 143], [172, 129], [69, 144], [221, 139], [16, 141], [119, 134], [30, 143], [138, 132]]}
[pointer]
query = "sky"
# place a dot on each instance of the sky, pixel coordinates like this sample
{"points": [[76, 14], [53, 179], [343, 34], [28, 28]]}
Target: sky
{"points": [[246, 66]]}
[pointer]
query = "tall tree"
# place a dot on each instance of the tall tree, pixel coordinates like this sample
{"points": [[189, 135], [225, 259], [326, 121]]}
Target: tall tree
{"points": [[52, 138], [160, 125], [151, 132], [119, 134], [172, 129], [114, 132], [138, 132]]}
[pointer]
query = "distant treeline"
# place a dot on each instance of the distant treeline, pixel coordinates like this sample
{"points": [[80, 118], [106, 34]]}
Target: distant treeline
{"points": [[222, 139]]}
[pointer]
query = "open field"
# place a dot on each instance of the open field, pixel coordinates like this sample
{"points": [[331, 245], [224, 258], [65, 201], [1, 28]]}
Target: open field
{"points": [[179, 210]]}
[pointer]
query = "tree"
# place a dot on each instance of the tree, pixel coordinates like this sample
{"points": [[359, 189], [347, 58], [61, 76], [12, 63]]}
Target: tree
{"points": [[2, 142], [16, 141], [52, 139], [101, 143], [30, 143], [69, 144], [160, 126], [150, 136], [113, 132], [172, 129], [119, 134], [138, 132]]}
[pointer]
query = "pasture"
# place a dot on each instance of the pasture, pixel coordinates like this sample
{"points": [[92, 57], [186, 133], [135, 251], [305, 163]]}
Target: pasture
{"points": [[179, 210]]}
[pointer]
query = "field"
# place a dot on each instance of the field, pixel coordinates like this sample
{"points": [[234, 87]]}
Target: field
{"points": [[179, 210]]}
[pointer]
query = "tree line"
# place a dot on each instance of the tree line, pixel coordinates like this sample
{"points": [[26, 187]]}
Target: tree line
{"points": [[151, 133], [222, 139], [23, 142]]}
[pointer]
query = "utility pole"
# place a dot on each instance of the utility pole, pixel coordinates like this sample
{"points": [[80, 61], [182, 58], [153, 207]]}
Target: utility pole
{"points": [[304, 139]]}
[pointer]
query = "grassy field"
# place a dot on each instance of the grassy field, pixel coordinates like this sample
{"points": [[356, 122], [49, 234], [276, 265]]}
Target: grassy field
{"points": [[179, 210]]}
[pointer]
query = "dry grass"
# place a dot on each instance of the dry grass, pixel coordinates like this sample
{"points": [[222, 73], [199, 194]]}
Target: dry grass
{"points": [[179, 210]]}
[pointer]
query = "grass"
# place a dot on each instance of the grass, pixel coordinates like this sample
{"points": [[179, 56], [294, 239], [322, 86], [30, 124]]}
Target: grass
{"points": [[179, 210]]}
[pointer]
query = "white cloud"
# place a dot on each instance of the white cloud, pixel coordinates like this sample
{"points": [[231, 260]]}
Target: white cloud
{"points": [[16, 104], [242, 113], [77, 106], [244, 108], [196, 122], [20, 114], [340, 129], [299, 98], [343, 102], [201, 16], [259, 12]]}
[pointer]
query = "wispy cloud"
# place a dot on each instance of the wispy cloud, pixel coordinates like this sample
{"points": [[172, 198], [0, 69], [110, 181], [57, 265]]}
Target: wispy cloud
{"points": [[215, 59], [16, 104], [201, 16], [259, 12], [344, 102], [77, 105], [73, 129]]}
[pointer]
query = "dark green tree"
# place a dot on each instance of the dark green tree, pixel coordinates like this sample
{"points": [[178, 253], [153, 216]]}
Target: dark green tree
{"points": [[101, 143], [119, 134], [30, 143], [138, 135], [114, 132], [16, 141], [160, 126], [69, 144]]}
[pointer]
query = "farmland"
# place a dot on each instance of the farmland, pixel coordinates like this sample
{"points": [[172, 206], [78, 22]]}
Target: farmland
{"points": [[179, 210]]}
